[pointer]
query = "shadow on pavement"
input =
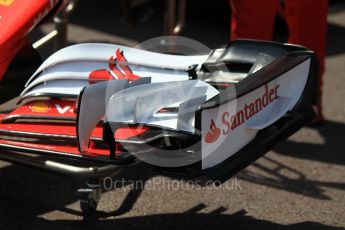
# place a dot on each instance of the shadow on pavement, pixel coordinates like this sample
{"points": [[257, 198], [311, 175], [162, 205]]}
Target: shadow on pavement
{"points": [[187, 220], [298, 184], [332, 151], [194, 220], [335, 40]]}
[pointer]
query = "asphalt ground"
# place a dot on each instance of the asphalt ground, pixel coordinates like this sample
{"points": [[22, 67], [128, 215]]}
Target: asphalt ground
{"points": [[300, 184]]}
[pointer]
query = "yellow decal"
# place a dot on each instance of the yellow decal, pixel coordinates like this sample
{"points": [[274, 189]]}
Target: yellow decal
{"points": [[6, 2], [40, 107]]}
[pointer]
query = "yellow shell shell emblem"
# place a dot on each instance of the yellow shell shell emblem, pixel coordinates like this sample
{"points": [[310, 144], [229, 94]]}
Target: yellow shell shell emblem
{"points": [[40, 107], [6, 2]]}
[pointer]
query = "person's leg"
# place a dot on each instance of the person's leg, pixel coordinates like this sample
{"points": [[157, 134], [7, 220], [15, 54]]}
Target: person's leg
{"points": [[253, 19], [307, 22]]}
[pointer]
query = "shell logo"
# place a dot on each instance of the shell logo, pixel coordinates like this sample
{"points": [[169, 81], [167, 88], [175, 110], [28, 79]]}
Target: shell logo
{"points": [[6, 2], [40, 107]]}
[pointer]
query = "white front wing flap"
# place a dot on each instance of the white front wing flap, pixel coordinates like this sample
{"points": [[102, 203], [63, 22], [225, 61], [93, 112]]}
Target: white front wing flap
{"points": [[79, 62], [229, 127], [141, 104], [92, 104], [138, 103]]}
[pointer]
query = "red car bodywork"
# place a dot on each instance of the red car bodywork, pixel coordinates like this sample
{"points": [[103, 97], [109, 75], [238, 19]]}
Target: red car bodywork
{"points": [[17, 19]]}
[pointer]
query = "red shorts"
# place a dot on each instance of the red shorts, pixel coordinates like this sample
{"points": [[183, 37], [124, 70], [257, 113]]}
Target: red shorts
{"points": [[306, 20]]}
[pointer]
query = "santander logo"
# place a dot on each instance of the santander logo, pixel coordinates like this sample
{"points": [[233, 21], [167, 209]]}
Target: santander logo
{"points": [[118, 69], [213, 134], [233, 121]]}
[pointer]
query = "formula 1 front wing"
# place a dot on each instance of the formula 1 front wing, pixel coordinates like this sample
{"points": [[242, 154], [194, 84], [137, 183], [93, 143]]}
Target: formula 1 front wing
{"points": [[198, 115]]}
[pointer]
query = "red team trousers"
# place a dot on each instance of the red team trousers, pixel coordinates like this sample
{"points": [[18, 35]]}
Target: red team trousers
{"points": [[306, 20]]}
